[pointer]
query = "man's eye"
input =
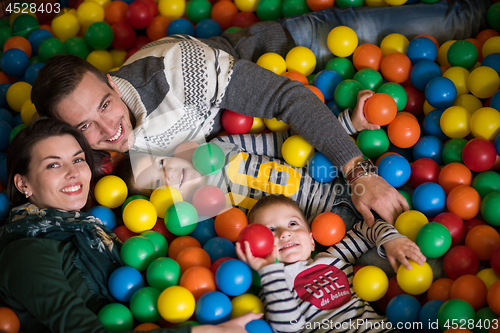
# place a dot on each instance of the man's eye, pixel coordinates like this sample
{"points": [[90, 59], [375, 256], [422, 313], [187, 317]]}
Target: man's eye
{"points": [[105, 106], [84, 127]]}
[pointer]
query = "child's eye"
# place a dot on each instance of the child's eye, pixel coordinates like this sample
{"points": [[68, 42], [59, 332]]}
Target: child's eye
{"points": [[162, 162], [157, 183], [272, 229], [293, 223]]}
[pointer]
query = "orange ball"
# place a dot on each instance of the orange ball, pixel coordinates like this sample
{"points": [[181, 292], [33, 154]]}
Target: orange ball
{"points": [[193, 257], [223, 13], [457, 330], [18, 42], [115, 12], [404, 130], [479, 48], [317, 92], [9, 322], [328, 228], [482, 239], [146, 327], [486, 34], [180, 243], [396, 67], [471, 289], [316, 5], [464, 201], [380, 109], [198, 280], [157, 28], [367, 56], [4, 78], [440, 289], [493, 297], [229, 223], [453, 175], [297, 76]]}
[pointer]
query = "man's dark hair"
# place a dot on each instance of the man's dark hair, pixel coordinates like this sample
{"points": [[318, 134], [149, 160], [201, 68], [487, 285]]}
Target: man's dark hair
{"points": [[57, 79]]}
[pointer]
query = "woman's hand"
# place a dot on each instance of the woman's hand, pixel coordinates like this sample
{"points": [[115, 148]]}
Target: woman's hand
{"points": [[401, 249], [358, 118], [255, 262]]}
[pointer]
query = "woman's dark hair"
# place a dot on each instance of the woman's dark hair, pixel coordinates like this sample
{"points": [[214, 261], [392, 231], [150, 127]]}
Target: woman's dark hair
{"points": [[57, 79], [20, 151]]}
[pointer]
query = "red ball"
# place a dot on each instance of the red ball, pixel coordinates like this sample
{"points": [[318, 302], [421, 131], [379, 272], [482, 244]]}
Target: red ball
{"points": [[328, 228], [380, 109], [140, 41], [260, 239], [471, 223], [415, 100], [460, 260], [123, 233], [123, 36], [209, 200], [235, 123], [495, 260], [453, 175], [162, 229], [424, 170], [244, 19], [139, 15], [153, 7], [454, 224], [479, 154]]}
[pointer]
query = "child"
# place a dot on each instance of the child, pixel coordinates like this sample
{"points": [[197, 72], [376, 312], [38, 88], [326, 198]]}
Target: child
{"points": [[305, 294]]}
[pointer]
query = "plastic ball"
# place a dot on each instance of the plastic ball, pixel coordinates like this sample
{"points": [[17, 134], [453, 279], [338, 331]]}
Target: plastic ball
{"points": [[106, 215], [432, 126], [490, 46], [115, 12], [243, 20], [213, 308], [273, 62], [99, 35], [485, 123], [176, 304], [455, 311], [301, 59], [482, 239], [123, 36], [17, 94], [246, 303], [209, 200], [367, 56], [483, 82], [373, 143], [421, 48], [180, 26], [233, 277], [224, 11], [89, 13], [163, 273], [101, 59], [440, 92], [260, 239], [370, 283], [409, 223], [424, 170], [479, 154], [18, 42], [124, 282], [193, 257], [328, 228], [64, 26], [493, 297], [116, 317], [219, 247], [395, 169], [429, 198], [139, 15], [422, 72], [258, 326], [110, 191], [455, 122], [404, 130], [396, 67], [207, 28], [415, 281], [204, 230], [434, 240], [486, 182], [428, 147], [415, 100], [453, 175], [397, 92], [138, 252], [403, 310], [159, 242], [459, 76], [464, 201], [208, 159], [346, 93], [321, 169], [493, 61], [275, 125], [462, 53], [164, 197], [428, 315], [343, 66], [229, 223], [198, 280], [172, 9], [342, 41], [181, 243], [297, 151], [143, 304], [490, 208], [440, 290], [471, 289], [235, 123], [460, 260], [181, 218], [394, 43], [14, 62], [380, 109], [9, 322], [327, 81]]}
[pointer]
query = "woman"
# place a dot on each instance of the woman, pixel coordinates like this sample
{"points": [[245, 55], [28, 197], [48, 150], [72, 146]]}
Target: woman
{"points": [[55, 260]]}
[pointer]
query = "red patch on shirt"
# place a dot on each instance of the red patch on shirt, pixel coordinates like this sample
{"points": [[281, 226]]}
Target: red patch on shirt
{"points": [[324, 286]]}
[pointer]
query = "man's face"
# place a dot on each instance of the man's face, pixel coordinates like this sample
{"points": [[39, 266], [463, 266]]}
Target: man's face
{"points": [[99, 113]]}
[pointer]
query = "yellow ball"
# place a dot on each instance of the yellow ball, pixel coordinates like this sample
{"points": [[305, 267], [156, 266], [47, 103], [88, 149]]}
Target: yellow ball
{"points": [[395, 2], [139, 215], [394, 43], [301, 59], [427, 108], [246, 5], [415, 281], [258, 126], [28, 112], [455, 122], [172, 9], [342, 41], [443, 53], [297, 151], [410, 222], [65, 26], [483, 82], [459, 76], [488, 276], [176, 304], [164, 197], [246, 303], [375, 3], [102, 3], [272, 61], [491, 45], [370, 283], [276, 125], [118, 57], [17, 94], [101, 59], [485, 123], [110, 191], [468, 101], [88, 13]]}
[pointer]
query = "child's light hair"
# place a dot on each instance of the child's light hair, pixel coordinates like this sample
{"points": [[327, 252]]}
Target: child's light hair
{"points": [[272, 200]]}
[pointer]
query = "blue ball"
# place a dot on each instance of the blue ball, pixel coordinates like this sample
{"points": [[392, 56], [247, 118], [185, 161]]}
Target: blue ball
{"points": [[492, 60], [204, 230], [6, 116], [405, 152], [428, 315], [106, 215], [422, 72], [432, 126], [3, 88], [233, 277], [321, 169], [395, 169], [5, 130], [3, 171], [207, 28], [258, 326], [429, 147], [124, 282], [326, 81], [14, 62], [32, 72], [219, 247], [440, 92], [403, 310], [180, 26], [4, 206], [495, 101], [497, 143], [37, 37], [429, 199], [213, 308], [333, 106], [421, 48], [18, 120]]}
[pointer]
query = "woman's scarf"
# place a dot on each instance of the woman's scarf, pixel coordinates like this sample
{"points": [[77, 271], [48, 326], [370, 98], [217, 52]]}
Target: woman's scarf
{"points": [[98, 248]]}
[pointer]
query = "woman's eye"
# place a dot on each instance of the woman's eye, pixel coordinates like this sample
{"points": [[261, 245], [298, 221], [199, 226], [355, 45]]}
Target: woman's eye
{"points": [[52, 166], [78, 160]]}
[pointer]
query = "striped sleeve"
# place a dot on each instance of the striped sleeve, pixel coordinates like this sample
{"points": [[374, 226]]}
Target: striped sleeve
{"points": [[379, 234], [351, 247], [345, 120]]}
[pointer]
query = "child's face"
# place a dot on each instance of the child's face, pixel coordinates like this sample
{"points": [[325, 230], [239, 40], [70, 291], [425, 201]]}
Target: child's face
{"points": [[292, 238]]}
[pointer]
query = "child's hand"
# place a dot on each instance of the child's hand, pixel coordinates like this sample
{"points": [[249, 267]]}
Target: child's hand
{"points": [[358, 118], [401, 248], [255, 262]]}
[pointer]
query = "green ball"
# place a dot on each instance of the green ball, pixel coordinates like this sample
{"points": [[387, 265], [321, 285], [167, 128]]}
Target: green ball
{"points": [[349, 3], [452, 151], [50, 47], [197, 10], [163, 273], [433, 239], [429, 1], [116, 317], [485, 318], [99, 36], [455, 311], [369, 78], [294, 7], [493, 16], [35, 59], [159, 241], [181, 218], [462, 53], [407, 198], [5, 33], [343, 66], [232, 29], [24, 25], [138, 252], [16, 130], [143, 305], [208, 159], [310, 78], [132, 198], [256, 278], [77, 46], [346, 93], [4, 23], [373, 143], [490, 208], [269, 10], [189, 322], [486, 182], [397, 92]]}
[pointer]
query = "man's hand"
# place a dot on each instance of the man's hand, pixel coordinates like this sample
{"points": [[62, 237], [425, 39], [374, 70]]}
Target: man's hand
{"points": [[400, 249], [358, 118], [236, 325]]}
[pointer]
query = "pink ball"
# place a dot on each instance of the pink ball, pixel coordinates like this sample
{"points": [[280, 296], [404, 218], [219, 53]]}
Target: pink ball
{"points": [[209, 200]]}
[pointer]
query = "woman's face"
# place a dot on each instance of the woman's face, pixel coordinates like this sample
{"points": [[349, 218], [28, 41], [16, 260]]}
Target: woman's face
{"points": [[59, 176]]}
